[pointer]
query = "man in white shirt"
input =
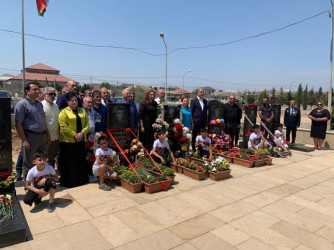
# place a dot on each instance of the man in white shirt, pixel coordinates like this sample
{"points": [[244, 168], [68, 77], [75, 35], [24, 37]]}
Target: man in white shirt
{"points": [[51, 111], [105, 96], [161, 96]]}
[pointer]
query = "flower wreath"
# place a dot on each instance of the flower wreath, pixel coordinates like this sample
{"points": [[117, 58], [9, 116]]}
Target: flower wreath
{"points": [[6, 183]]}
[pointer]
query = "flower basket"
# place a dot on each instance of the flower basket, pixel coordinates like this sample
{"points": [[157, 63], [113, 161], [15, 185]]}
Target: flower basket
{"points": [[133, 188], [177, 168], [171, 178], [194, 174], [269, 160], [260, 163], [217, 176], [228, 158], [198, 161], [243, 162], [157, 187]]}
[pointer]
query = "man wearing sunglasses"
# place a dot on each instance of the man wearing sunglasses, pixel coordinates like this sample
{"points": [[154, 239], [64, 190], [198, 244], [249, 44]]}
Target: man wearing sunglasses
{"points": [[51, 112], [291, 120]]}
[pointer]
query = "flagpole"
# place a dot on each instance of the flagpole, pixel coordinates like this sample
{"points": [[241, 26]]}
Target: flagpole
{"points": [[23, 51]]}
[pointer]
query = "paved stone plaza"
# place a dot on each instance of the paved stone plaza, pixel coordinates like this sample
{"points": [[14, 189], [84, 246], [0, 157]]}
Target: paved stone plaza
{"points": [[289, 205]]}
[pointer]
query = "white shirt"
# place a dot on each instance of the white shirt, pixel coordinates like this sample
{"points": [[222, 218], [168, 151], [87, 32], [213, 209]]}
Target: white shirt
{"points": [[100, 152], [157, 100], [51, 119], [160, 147], [206, 141], [279, 133], [201, 102], [35, 176], [254, 137]]}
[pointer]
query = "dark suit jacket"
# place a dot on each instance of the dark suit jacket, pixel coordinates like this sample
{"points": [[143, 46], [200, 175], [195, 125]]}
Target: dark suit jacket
{"points": [[292, 120], [62, 101], [200, 117]]}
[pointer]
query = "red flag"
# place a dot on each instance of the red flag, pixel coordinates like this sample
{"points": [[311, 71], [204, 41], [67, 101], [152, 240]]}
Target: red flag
{"points": [[41, 6]]}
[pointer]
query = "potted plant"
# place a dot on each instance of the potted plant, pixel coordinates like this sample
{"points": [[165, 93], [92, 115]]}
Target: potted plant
{"points": [[242, 160], [178, 166], [131, 182], [169, 173], [219, 169], [119, 169], [264, 153], [195, 171], [153, 183]]}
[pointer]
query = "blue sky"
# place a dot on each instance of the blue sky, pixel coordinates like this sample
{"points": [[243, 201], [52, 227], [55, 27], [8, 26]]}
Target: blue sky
{"points": [[299, 54]]}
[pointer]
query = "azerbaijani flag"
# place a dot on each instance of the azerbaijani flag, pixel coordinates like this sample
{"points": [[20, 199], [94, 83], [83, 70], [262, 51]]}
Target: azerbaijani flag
{"points": [[41, 6]]}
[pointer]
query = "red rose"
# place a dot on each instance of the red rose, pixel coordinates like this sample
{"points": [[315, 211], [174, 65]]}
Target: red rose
{"points": [[176, 135], [199, 169], [90, 144], [164, 187], [205, 156], [178, 126], [92, 158], [9, 178]]}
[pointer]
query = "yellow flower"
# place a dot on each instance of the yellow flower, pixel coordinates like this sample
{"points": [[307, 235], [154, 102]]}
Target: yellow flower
{"points": [[218, 120], [148, 176], [8, 197]]}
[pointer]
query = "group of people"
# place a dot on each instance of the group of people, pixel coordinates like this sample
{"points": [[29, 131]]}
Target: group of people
{"points": [[55, 129]]}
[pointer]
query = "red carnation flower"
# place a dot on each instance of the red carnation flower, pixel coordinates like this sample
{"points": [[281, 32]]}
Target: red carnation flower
{"points": [[90, 144], [176, 135], [199, 169], [178, 126], [164, 187], [92, 158]]}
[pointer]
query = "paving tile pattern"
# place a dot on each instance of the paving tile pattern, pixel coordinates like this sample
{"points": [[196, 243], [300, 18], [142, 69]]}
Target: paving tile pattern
{"points": [[288, 205]]}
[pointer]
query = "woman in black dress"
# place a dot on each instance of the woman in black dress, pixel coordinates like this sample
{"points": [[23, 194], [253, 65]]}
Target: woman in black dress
{"points": [[147, 116], [319, 117], [74, 125]]}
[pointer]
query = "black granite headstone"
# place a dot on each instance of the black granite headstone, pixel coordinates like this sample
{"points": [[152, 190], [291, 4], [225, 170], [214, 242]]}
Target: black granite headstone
{"points": [[171, 112], [118, 116], [216, 111], [5, 136], [277, 116], [251, 112], [13, 230]]}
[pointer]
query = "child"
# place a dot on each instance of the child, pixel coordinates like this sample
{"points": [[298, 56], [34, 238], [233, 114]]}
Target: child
{"points": [[40, 181], [280, 136], [257, 140], [161, 150], [102, 166], [203, 144]]}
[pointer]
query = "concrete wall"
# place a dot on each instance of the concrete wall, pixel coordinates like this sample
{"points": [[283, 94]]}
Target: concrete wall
{"points": [[303, 136]]}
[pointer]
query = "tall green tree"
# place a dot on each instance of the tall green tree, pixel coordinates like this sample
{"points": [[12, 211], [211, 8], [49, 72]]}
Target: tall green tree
{"points": [[281, 97], [86, 86], [305, 98], [319, 94], [262, 94], [289, 97], [250, 97], [273, 96], [311, 98], [299, 95]]}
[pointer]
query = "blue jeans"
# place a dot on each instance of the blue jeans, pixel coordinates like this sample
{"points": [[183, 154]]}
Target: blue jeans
{"points": [[19, 163]]}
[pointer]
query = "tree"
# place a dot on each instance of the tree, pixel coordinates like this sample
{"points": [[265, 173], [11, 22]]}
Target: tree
{"points": [[281, 97], [262, 95], [299, 95], [273, 96], [86, 86], [289, 97], [305, 98], [250, 97], [311, 98], [105, 85]]}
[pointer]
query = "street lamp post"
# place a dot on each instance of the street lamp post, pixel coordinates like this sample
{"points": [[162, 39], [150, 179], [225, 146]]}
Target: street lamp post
{"points": [[331, 65], [183, 81], [163, 38]]}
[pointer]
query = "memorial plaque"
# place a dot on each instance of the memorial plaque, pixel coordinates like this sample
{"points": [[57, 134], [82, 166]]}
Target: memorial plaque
{"points": [[251, 112], [118, 117], [171, 112], [5, 136], [216, 111], [277, 116]]}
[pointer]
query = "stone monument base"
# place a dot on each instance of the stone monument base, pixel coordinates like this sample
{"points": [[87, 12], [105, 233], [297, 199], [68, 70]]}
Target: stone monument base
{"points": [[301, 147], [13, 231]]}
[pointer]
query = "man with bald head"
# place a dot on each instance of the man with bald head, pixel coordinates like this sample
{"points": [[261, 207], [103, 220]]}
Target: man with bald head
{"points": [[62, 99], [161, 96], [199, 111]]}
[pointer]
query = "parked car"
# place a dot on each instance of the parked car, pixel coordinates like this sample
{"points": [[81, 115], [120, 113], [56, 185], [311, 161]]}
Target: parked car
{"points": [[5, 94]]}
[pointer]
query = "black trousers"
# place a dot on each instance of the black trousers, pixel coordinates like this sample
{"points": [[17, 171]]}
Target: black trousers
{"points": [[231, 129], [269, 126], [156, 159], [203, 151], [31, 196], [288, 131]]}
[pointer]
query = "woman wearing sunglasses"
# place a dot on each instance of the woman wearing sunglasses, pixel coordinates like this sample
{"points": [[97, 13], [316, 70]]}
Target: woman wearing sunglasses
{"points": [[319, 117]]}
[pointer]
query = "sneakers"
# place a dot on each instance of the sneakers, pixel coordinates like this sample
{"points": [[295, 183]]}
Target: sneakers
{"points": [[38, 201], [51, 207], [104, 187]]}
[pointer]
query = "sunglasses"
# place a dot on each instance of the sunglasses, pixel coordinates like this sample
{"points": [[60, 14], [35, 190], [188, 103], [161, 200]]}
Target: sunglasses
{"points": [[54, 94], [319, 104]]}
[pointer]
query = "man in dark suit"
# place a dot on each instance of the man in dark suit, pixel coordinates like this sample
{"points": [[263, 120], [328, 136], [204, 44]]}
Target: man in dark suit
{"points": [[291, 120], [199, 111], [62, 99], [232, 116]]}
